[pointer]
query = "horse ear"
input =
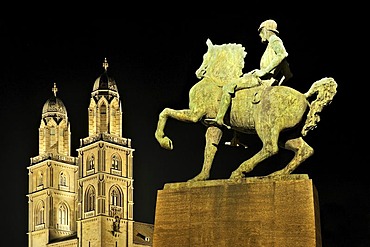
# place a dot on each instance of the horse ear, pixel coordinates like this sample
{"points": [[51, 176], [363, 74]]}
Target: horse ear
{"points": [[209, 43]]}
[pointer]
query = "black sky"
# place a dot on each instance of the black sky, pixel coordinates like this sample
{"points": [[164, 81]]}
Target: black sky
{"points": [[154, 63]]}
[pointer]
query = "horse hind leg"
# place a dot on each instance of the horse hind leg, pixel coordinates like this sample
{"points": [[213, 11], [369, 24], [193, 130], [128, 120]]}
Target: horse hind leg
{"points": [[302, 151], [269, 148]]}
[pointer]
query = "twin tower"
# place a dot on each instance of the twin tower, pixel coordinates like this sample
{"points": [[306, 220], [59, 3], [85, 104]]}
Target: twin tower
{"points": [[87, 200]]}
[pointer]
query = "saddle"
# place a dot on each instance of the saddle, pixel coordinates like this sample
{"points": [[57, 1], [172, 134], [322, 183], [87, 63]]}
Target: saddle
{"points": [[264, 85]]}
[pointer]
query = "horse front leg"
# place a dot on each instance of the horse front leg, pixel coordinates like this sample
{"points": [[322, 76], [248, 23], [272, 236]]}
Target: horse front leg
{"points": [[213, 137], [186, 115]]}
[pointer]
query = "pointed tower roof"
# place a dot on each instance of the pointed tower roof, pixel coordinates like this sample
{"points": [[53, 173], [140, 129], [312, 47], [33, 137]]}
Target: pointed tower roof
{"points": [[54, 107], [105, 82]]}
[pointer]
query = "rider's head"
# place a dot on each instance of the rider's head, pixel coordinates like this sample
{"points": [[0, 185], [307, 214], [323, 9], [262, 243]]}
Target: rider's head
{"points": [[270, 25]]}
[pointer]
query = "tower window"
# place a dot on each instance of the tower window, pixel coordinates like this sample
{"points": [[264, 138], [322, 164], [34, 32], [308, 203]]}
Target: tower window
{"points": [[39, 214], [40, 179], [63, 179], [115, 198], [115, 201], [103, 119], [116, 162], [53, 138], [90, 199], [92, 163], [63, 217]]}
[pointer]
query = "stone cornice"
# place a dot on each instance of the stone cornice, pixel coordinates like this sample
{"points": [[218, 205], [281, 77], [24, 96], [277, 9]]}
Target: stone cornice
{"points": [[56, 157], [106, 137]]}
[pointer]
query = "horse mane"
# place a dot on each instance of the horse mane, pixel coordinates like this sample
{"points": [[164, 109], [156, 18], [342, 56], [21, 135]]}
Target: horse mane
{"points": [[224, 62]]}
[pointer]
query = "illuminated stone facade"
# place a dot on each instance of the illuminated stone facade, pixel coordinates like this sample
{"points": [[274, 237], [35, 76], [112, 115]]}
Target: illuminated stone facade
{"points": [[84, 201]]}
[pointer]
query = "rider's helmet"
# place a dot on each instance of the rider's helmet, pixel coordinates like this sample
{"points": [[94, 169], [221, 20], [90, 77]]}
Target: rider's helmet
{"points": [[269, 25]]}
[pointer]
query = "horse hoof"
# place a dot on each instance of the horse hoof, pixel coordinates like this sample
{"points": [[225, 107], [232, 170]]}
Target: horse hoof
{"points": [[236, 175], [199, 178], [166, 143], [277, 173]]}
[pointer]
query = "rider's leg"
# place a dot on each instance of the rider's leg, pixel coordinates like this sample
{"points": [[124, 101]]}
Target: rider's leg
{"points": [[224, 104], [223, 107]]}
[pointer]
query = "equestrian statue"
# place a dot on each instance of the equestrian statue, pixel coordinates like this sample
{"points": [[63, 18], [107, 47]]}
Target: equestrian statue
{"points": [[279, 115]]}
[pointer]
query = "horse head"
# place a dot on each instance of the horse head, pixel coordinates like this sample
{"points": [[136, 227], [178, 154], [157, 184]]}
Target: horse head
{"points": [[224, 62], [201, 71]]}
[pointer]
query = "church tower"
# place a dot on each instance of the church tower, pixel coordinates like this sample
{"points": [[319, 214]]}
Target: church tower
{"points": [[105, 177], [52, 178], [84, 201]]}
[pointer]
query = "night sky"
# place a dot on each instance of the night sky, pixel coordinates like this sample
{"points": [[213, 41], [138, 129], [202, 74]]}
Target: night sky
{"points": [[153, 62]]}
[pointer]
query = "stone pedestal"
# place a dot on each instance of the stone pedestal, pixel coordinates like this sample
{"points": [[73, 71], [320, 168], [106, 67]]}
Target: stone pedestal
{"points": [[248, 212]]}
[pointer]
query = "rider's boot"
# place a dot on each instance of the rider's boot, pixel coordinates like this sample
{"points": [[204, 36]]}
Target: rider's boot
{"points": [[223, 107]]}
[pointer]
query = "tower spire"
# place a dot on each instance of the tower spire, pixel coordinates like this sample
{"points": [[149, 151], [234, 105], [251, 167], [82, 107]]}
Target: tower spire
{"points": [[105, 64], [55, 89]]}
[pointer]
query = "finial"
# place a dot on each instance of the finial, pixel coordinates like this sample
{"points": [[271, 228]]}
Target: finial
{"points": [[105, 64], [55, 89]]}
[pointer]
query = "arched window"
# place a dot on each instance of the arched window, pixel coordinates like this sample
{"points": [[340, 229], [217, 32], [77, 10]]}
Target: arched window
{"points": [[103, 118], [40, 179], [40, 213], [116, 162], [63, 216], [115, 197], [63, 179], [115, 201], [53, 138], [91, 162], [90, 199]]}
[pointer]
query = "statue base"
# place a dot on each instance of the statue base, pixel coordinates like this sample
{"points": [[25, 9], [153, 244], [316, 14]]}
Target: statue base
{"points": [[254, 212]]}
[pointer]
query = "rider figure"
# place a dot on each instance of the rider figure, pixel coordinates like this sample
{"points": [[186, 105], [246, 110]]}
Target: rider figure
{"points": [[274, 68]]}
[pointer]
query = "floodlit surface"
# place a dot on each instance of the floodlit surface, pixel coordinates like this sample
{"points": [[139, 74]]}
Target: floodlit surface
{"points": [[154, 64]]}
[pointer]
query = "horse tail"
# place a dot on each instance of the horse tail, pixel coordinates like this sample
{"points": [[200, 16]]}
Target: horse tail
{"points": [[325, 89]]}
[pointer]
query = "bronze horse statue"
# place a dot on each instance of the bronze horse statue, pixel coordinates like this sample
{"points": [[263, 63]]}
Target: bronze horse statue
{"points": [[281, 117]]}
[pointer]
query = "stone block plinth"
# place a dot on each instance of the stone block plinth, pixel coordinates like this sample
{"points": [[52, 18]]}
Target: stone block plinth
{"points": [[246, 212]]}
